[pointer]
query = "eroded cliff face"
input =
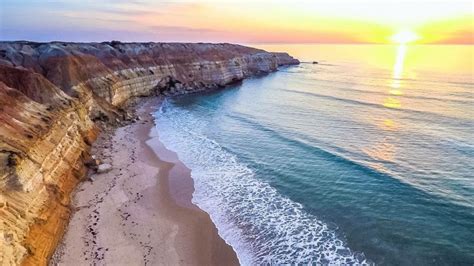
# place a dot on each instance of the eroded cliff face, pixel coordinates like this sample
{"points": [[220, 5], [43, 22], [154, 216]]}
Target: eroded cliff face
{"points": [[43, 144], [51, 95]]}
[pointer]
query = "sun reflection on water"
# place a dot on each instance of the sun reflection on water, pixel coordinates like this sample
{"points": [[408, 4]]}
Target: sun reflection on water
{"points": [[396, 81], [392, 103], [398, 67], [385, 149], [389, 124]]}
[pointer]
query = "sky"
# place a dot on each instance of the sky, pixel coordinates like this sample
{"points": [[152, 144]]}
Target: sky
{"points": [[244, 21]]}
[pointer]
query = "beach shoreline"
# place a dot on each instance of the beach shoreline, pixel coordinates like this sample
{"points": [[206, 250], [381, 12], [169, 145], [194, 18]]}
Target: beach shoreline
{"points": [[140, 211]]}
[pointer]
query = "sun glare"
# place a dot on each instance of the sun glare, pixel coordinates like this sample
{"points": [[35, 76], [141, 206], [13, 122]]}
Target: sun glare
{"points": [[405, 36]]}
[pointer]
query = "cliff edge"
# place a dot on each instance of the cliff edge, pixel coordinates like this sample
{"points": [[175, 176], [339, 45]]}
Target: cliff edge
{"points": [[53, 96]]}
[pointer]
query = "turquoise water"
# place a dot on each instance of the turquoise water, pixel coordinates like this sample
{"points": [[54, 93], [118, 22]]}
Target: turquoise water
{"points": [[345, 161]]}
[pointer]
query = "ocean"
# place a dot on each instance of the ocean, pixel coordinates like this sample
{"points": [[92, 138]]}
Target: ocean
{"points": [[364, 158]]}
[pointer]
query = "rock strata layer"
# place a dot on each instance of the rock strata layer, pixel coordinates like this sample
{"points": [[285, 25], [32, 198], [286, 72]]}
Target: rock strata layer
{"points": [[52, 98]]}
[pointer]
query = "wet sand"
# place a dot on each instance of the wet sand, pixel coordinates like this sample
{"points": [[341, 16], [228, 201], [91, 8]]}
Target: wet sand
{"points": [[141, 211]]}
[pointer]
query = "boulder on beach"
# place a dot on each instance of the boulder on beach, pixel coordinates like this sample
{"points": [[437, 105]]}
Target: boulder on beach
{"points": [[104, 168]]}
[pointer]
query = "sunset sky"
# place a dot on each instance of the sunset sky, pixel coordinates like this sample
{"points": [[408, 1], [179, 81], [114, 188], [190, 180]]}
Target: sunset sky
{"points": [[244, 21]]}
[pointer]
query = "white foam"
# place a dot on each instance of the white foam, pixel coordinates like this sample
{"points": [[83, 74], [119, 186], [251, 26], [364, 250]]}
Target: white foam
{"points": [[260, 224]]}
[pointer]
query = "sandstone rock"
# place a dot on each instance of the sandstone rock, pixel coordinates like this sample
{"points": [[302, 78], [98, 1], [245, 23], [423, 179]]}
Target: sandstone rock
{"points": [[43, 160], [104, 168], [92, 163]]}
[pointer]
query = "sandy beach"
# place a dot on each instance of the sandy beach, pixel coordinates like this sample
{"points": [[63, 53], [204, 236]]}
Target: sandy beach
{"points": [[140, 212]]}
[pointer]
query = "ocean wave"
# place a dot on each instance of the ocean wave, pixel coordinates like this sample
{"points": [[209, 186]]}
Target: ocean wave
{"points": [[263, 226], [365, 163], [334, 80], [387, 74], [465, 100], [434, 116]]}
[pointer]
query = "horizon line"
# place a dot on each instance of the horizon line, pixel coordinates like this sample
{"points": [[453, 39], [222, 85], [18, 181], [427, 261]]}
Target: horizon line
{"points": [[238, 42]]}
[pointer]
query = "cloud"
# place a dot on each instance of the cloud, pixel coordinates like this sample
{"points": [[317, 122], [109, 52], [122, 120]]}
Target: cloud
{"points": [[178, 29], [46, 34], [188, 34]]}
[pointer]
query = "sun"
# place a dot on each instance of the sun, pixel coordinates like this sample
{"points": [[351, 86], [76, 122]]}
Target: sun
{"points": [[404, 36]]}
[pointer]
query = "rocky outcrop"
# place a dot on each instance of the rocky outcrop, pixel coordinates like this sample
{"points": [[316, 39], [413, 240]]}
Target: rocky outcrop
{"points": [[51, 97]]}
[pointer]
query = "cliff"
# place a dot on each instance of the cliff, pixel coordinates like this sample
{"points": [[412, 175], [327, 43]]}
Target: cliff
{"points": [[53, 95]]}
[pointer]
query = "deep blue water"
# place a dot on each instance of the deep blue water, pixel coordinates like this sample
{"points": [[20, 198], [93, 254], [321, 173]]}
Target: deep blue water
{"points": [[339, 162]]}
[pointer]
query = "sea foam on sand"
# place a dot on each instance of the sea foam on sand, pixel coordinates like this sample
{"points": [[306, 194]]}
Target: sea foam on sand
{"points": [[260, 224]]}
